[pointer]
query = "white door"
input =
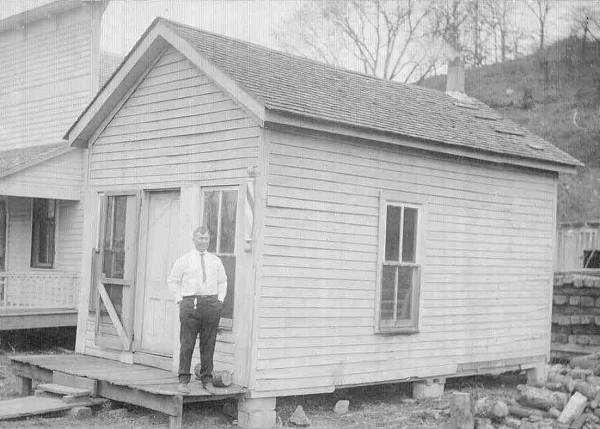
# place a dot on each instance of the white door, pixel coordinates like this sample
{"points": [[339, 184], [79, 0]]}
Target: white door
{"points": [[162, 244]]}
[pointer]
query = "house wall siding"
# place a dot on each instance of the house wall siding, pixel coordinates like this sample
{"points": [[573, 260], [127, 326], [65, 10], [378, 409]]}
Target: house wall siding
{"points": [[60, 177], [486, 269], [68, 236], [46, 78], [176, 128]]}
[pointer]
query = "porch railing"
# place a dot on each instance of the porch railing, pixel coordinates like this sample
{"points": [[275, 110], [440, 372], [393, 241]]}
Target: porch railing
{"points": [[55, 289]]}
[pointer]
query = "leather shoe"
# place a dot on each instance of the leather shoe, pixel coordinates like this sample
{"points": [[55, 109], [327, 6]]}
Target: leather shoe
{"points": [[183, 388], [209, 387]]}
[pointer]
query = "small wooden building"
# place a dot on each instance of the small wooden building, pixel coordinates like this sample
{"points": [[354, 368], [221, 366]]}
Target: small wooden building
{"points": [[50, 71], [372, 231]]}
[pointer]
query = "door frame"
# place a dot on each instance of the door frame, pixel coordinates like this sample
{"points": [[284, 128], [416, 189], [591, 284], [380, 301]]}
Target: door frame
{"points": [[139, 355]]}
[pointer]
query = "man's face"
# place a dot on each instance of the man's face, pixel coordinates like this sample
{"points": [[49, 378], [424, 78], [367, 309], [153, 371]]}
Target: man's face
{"points": [[201, 241]]}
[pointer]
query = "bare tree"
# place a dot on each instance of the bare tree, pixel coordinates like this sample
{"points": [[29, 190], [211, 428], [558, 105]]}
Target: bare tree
{"points": [[448, 20], [500, 20], [586, 24], [540, 9], [385, 37]]}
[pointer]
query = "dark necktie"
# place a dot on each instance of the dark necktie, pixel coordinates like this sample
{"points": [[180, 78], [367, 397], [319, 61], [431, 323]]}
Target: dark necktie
{"points": [[203, 267]]}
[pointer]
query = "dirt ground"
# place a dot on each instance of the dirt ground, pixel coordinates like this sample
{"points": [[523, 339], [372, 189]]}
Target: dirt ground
{"points": [[370, 407]]}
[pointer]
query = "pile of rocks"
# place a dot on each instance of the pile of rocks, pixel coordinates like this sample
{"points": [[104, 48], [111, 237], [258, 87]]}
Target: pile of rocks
{"points": [[568, 399]]}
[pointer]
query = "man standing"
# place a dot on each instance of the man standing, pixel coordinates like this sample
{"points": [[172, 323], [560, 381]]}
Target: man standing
{"points": [[199, 283]]}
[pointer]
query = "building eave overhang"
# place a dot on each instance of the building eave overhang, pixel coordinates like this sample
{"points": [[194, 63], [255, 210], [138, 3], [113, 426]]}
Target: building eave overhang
{"points": [[278, 119]]}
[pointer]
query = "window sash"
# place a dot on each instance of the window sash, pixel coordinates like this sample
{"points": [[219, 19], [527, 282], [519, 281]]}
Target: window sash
{"points": [[398, 300], [408, 305], [215, 220], [43, 232]]}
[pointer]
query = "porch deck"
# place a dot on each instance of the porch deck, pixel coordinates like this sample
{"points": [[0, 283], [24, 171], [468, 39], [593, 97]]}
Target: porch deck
{"points": [[135, 384], [36, 317]]}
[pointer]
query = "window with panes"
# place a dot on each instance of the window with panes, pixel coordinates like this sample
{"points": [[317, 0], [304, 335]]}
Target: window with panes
{"points": [[43, 229], [400, 270], [219, 216]]}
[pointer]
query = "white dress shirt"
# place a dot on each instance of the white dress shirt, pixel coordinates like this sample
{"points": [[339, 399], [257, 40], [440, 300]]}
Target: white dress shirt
{"points": [[186, 276]]}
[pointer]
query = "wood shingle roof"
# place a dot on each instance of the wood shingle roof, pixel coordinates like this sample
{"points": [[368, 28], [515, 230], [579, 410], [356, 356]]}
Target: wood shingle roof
{"points": [[298, 86]]}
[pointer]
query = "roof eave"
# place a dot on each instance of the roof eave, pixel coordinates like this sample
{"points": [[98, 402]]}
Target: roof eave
{"points": [[276, 117]]}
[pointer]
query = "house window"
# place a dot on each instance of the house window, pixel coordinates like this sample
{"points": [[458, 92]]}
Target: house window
{"points": [[219, 214], [399, 270], [43, 230], [591, 258]]}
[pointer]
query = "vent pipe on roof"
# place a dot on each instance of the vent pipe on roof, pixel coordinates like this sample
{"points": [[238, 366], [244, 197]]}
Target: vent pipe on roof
{"points": [[455, 79]]}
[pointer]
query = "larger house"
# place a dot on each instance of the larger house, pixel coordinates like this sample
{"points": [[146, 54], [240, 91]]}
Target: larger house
{"points": [[371, 231], [51, 70]]}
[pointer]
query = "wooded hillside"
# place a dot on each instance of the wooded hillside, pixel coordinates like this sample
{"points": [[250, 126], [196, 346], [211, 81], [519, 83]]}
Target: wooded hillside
{"points": [[555, 94]]}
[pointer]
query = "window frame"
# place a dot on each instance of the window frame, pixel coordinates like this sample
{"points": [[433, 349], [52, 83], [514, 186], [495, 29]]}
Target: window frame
{"points": [[225, 322], [412, 325], [34, 257]]}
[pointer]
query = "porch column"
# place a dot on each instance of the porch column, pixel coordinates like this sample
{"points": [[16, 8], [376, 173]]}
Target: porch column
{"points": [[256, 413]]}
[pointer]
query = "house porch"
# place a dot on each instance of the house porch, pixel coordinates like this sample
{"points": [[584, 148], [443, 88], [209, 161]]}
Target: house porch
{"points": [[31, 300], [136, 384]]}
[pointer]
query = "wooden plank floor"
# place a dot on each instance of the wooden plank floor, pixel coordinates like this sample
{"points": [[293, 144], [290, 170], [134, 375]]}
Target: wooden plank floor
{"points": [[30, 318], [139, 377]]}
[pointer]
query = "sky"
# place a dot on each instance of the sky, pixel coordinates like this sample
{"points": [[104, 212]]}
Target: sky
{"points": [[252, 20]]}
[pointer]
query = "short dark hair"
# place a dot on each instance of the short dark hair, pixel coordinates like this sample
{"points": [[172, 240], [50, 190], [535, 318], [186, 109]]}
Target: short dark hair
{"points": [[203, 230]]}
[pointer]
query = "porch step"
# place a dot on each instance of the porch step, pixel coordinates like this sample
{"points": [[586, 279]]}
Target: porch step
{"points": [[59, 389], [36, 405]]}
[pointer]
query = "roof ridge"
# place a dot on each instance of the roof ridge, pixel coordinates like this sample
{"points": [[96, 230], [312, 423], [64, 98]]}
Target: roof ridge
{"points": [[302, 58]]}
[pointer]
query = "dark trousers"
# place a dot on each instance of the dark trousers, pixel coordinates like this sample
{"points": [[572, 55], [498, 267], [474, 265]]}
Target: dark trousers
{"points": [[203, 320]]}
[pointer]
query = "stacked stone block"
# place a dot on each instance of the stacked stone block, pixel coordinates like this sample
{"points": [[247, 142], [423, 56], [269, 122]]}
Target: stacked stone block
{"points": [[576, 312]]}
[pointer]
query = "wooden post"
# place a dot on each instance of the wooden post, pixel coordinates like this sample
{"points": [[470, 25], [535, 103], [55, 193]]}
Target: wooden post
{"points": [[175, 422], [23, 385], [256, 413]]}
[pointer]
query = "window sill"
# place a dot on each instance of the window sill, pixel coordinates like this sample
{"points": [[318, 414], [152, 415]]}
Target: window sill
{"points": [[408, 330]]}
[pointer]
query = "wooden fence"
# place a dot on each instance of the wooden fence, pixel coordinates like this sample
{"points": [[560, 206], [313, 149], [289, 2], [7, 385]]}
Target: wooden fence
{"points": [[578, 246]]}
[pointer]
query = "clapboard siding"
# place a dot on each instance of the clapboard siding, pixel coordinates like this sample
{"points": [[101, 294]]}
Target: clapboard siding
{"points": [[60, 177], [70, 233], [487, 262], [68, 236], [208, 139], [177, 126], [19, 234], [46, 78]]}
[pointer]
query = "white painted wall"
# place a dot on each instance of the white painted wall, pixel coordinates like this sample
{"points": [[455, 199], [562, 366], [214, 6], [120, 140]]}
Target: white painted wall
{"points": [[49, 74], [68, 236], [486, 271], [176, 128]]}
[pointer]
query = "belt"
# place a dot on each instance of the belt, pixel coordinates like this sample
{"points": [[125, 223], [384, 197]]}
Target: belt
{"points": [[200, 296], [197, 298]]}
